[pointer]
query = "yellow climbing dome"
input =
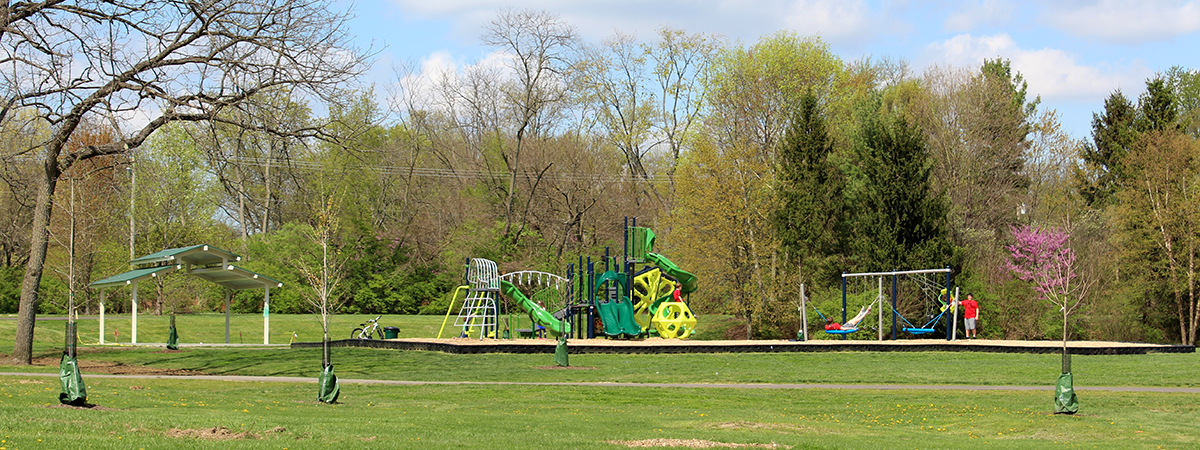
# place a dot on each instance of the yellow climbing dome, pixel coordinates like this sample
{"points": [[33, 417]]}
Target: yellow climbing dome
{"points": [[674, 320]]}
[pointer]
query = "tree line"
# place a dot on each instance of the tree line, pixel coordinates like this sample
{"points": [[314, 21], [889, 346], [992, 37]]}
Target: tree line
{"points": [[761, 166]]}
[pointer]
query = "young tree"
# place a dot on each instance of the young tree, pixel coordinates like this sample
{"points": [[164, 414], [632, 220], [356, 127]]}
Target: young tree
{"points": [[1161, 209], [170, 60], [1043, 257]]}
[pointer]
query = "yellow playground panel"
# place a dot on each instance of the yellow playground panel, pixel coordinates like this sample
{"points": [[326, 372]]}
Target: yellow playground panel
{"points": [[656, 306]]}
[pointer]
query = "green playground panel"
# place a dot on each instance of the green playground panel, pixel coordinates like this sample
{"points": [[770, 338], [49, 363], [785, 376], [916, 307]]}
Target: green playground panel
{"points": [[688, 281], [539, 314]]}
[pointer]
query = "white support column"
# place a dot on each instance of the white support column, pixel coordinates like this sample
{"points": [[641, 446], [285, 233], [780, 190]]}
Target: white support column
{"points": [[803, 313], [228, 293], [267, 315], [954, 313], [133, 309], [101, 340], [879, 304]]}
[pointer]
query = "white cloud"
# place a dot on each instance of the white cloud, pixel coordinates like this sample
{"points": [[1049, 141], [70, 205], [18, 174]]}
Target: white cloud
{"points": [[419, 87], [973, 15], [1052, 73], [837, 21], [1127, 21]]}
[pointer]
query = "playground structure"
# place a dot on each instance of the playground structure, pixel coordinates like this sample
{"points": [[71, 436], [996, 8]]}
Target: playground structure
{"points": [[641, 294], [918, 290]]}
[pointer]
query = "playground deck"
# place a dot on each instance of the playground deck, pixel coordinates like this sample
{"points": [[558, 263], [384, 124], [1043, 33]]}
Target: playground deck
{"points": [[660, 346]]}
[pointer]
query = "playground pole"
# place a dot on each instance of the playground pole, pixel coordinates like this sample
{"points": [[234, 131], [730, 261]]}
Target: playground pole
{"points": [[266, 315], [954, 312], [894, 313], [949, 336], [843, 301], [228, 294], [102, 299], [591, 299], [803, 314], [133, 308], [879, 300]]}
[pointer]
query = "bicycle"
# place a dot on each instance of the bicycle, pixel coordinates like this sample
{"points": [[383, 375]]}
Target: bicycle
{"points": [[367, 329]]}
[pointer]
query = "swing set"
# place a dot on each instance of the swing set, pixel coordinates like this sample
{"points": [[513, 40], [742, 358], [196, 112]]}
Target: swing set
{"points": [[931, 291]]}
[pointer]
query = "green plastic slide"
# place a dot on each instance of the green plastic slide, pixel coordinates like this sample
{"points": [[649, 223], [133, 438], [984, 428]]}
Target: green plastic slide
{"points": [[688, 281], [617, 316], [539, 314]]}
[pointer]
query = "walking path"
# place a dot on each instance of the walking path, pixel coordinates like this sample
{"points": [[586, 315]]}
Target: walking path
{"points": [[884, 387]]}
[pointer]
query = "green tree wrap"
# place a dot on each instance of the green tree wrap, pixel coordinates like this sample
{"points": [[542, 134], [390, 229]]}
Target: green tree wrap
{"points": [[560, 352], [327, 386], [1065, 401], [73, 391]]}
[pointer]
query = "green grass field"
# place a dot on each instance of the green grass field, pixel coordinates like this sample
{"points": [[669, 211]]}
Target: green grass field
{"points": [[141, 413], [210, 328]]}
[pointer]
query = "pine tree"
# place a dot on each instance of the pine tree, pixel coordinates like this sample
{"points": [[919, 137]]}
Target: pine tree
{"points": [[1113, 136], [810, 211], [900, 220]]}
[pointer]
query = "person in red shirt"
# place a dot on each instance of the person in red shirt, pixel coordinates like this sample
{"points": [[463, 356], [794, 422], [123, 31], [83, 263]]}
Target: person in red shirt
{"points": [[851, 324], [970, 315], [831, 325]]}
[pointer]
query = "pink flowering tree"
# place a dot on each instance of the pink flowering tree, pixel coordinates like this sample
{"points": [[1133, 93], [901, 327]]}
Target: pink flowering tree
{"points": [[1043, 257]]}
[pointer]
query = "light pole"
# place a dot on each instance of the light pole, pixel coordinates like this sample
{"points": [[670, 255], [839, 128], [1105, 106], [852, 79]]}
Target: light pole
{"points": [[132, 197]]}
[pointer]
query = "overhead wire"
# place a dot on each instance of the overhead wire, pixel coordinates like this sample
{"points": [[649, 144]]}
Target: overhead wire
{"points": [[462, 174]]}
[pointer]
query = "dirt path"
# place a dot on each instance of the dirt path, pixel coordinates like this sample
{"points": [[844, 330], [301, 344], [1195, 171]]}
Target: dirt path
{"points": [[882, 387]]}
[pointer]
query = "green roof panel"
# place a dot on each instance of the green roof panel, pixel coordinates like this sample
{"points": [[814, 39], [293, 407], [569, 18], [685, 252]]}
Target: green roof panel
{"points": [[234, 277], [133, 275], [196, 255], [202, 261]]}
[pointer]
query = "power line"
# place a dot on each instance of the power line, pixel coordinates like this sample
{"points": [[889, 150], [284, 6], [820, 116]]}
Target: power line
{"points": [[429, 172]]}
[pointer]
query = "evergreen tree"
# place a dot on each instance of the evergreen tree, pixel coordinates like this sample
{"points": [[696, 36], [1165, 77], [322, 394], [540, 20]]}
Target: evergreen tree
{"points": [[1157, 107], [810, 212], [900, 220], [1113, 136]]}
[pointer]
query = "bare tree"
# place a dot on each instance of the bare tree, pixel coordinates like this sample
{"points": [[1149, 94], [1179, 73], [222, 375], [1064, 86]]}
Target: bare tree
{"points": [[615, 79], [323, 273], [160, 60], [541, 46], [679, 60]]}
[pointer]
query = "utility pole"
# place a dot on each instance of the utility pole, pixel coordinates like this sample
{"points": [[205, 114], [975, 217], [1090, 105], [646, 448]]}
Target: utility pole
{"points": [[132, 197]]}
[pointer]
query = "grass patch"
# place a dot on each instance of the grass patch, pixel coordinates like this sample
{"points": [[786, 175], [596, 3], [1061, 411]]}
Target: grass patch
{"points": [[248, 328], [937, 368], [165, 413], [283, 415]]}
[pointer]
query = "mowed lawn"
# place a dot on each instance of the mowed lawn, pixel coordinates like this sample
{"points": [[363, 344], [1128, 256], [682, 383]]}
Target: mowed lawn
{"points": [[160, 413], [173, 413]]}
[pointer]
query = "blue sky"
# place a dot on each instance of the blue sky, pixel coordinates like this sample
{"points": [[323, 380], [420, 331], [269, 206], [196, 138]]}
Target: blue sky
{"points": [[1072, 53]]}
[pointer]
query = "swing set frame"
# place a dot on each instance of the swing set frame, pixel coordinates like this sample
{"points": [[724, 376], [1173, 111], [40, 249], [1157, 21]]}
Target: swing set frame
{"points": [[895, 274]]}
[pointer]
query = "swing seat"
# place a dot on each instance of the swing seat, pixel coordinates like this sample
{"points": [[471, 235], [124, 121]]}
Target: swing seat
{"points": [[918, 330], [845, 331]]}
